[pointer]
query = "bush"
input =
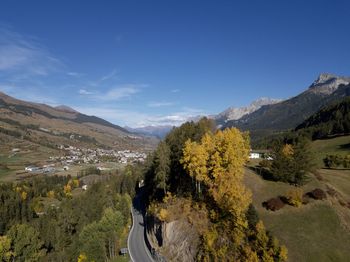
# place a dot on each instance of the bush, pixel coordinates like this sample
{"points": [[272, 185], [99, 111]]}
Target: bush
{"points": [[317, 194], [273, 204], [295, 197], [336, 161]]}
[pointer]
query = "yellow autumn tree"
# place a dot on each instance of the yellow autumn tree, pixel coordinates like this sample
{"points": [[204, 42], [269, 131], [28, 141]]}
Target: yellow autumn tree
{"points": [[24, 195], [195, 162], [295, 197], [163, 214], [283, 254], [5, 249], [51, 194], [82, 258], [75, 183], [288, 150], [67, 189], [217, 162]]}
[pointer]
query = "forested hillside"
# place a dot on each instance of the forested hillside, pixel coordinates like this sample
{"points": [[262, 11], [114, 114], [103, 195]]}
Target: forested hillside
{"points": [[53, 219], [331, 120], [286, 115]]}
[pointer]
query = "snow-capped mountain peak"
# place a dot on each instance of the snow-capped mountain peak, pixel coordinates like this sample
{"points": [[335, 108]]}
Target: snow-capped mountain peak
{"points": [[234, 113], [328, 83]]}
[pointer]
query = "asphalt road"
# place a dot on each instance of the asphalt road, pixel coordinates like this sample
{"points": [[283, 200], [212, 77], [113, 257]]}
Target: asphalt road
{"points": [[136, 242]]}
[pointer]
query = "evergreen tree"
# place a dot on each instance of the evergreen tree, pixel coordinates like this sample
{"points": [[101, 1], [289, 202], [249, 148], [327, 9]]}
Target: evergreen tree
{"points": [[26, 243], [162, 167], [292, 163]]}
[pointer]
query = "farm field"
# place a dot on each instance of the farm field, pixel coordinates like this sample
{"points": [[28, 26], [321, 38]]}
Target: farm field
{"points": [[12, 163], [338, 145], [319, 225]]}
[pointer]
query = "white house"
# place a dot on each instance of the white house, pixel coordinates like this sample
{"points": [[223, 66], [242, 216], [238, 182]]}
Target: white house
{"points": [[31, 168], [254, 155]]}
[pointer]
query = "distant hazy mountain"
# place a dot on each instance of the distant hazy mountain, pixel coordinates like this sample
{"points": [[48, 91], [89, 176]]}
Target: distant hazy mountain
{"points": [[43, 124], [157, 131], [234, 113], [291, 112]]}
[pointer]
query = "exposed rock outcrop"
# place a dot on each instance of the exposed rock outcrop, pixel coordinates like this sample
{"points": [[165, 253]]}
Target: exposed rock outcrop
{"points": [[176, 240]]}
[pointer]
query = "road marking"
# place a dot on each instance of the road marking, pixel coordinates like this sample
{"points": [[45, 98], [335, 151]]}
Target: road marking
{"points": [[132, 228], [144, 242], [144, 232]]}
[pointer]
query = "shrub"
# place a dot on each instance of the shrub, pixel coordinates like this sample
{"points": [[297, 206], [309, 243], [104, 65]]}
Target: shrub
{"points": [[273, 204], [336, 161], [295, 197], [317, 194]]}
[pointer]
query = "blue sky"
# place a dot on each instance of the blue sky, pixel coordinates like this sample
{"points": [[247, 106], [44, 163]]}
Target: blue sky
{"points": [[159, 62]]}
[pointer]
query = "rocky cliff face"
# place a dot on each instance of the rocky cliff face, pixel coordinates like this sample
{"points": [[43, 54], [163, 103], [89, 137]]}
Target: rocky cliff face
{"points": [[177, 240], [234, 113], [328, 83]]}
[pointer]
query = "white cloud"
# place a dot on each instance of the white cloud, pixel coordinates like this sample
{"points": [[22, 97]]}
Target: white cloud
{"points": [[21, 54], [175, 91], [12, 56], [159, 104], [137, 119], [109, 76], [120, 92], [117, 116], [38, 98], [105, 78], [27, 93], [75, 74], [114, 94], [174, 119], [85, 92]]}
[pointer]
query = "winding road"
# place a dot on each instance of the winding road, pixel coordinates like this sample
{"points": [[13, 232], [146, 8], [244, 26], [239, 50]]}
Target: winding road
{"points": [[136, 241]]}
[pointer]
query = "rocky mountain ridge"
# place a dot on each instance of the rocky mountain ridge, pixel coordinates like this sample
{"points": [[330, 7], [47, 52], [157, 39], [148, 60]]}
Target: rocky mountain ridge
{"points": [[291, 112], [234, 113], [328, 83]]}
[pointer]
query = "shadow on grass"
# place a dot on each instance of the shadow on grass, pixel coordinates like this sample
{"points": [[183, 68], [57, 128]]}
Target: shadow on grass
{"points": [[345, 146], [263, 172]]}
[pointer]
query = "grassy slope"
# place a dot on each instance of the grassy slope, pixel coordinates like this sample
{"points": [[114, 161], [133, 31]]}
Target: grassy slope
{"points": [[339, 145], [29, 154], [312, 232]]}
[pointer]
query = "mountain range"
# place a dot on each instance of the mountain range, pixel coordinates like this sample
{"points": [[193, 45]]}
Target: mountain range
{"points": [[234, 113], [263, 117], [289, 113], [51, 126]]}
